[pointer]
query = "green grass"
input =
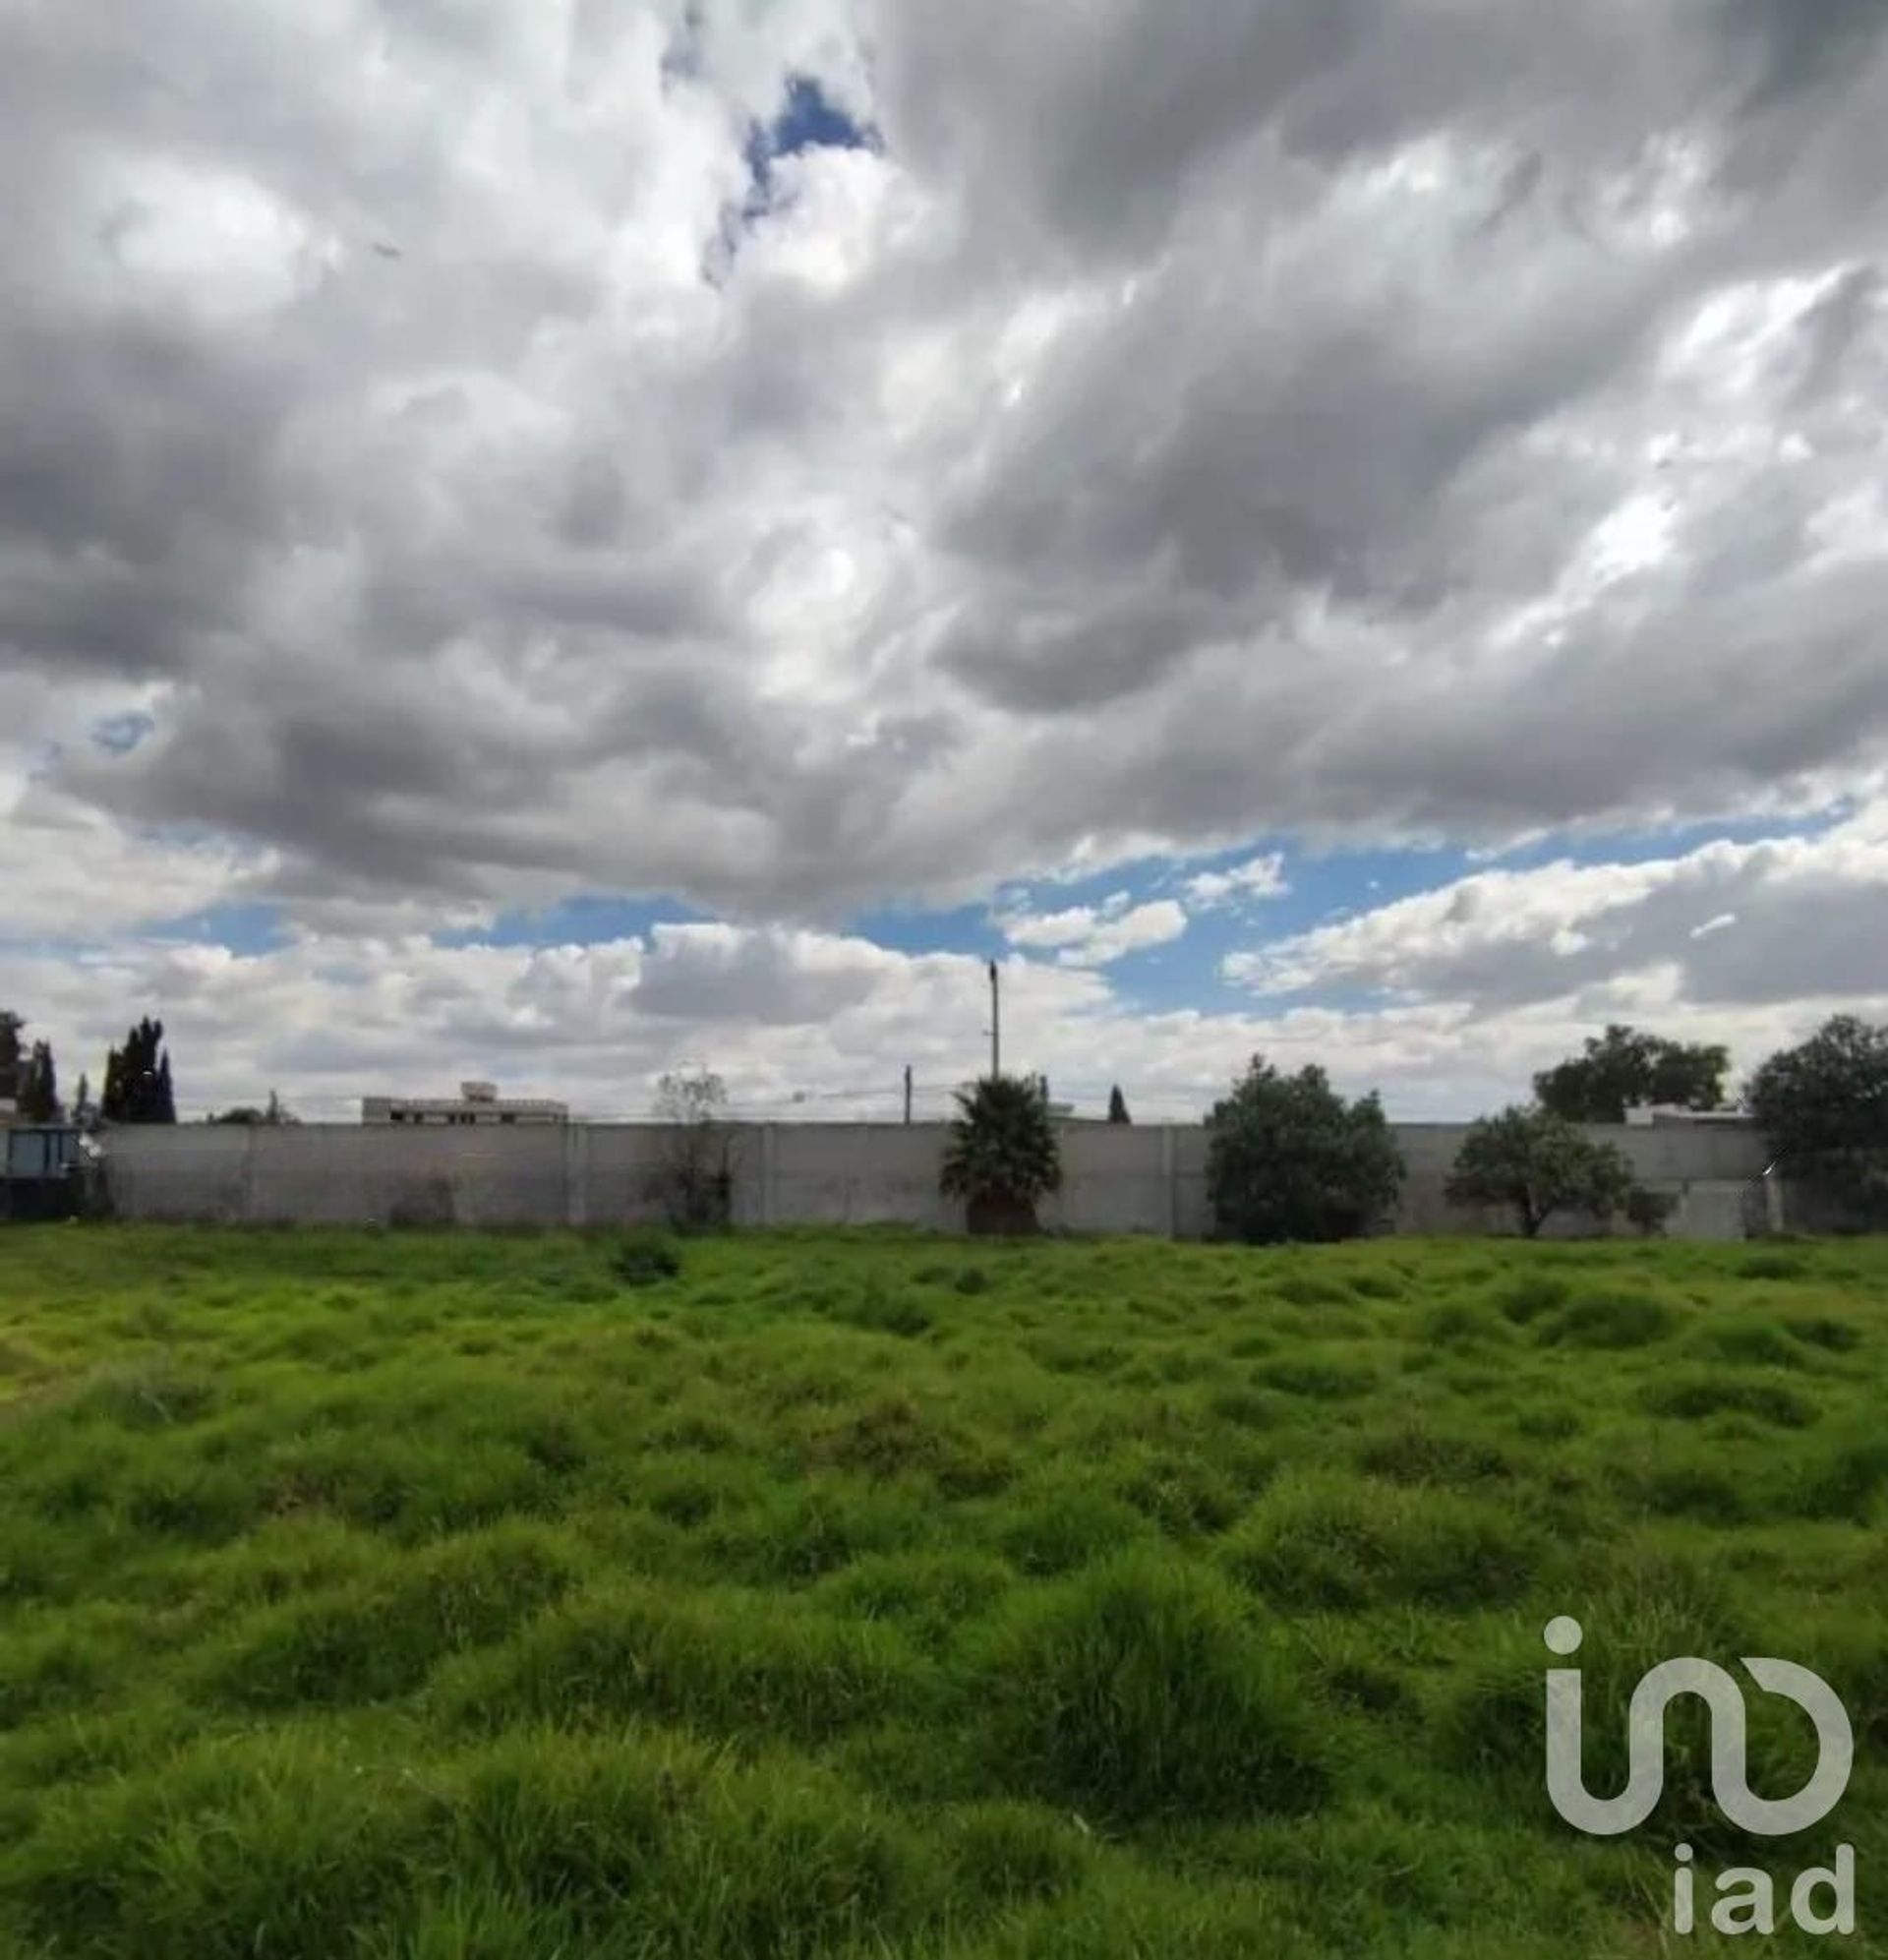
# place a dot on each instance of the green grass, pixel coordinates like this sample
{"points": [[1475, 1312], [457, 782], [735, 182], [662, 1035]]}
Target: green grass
{"points": [[416, 1597]]}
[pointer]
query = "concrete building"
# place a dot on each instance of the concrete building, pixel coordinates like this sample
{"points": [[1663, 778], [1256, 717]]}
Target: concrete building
{"points": [[477, 1104], [1673, 1115]]}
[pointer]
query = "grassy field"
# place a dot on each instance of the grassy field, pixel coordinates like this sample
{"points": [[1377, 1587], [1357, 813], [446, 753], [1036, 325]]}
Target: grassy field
{"points": [[424, 1596]]}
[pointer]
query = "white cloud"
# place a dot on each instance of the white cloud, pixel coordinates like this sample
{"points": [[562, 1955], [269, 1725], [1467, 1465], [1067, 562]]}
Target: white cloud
{"points": [[1256, 878], [67, 870], [1098, 936], [1069, 927], [926, 534], [827, 1018], [1809, 915]]}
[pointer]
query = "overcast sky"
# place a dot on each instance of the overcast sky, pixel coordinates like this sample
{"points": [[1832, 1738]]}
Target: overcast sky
{"points": [[550, 539]]}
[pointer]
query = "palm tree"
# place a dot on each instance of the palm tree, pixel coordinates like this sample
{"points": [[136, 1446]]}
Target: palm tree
{"points": [[1002, 1155]]}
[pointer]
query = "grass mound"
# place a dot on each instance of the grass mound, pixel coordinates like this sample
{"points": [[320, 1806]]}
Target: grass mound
{"points": [[432, 1597], [381, 1636], [1344, 1545], [726, 1663], [1608, 1320], [1698, 1396], [1144, 1691]]}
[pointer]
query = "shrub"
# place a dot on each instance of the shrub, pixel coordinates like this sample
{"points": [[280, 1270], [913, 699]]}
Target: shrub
{"points": [[1287, 1157], [694, 1181], [1003, 1155], [1648, 1212], [646, 1259]]}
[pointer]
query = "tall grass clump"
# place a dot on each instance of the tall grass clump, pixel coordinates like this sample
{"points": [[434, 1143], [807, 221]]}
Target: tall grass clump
{"points": [[1144, 1691], [461, 1596]]}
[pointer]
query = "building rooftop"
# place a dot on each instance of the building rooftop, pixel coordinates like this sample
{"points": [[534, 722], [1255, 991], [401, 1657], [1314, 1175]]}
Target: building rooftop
{"points": [[476, 1102]]}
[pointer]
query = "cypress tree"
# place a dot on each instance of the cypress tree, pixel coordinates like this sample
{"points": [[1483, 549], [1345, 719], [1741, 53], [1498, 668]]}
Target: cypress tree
{"points": [[39, 1087], [138, 1087]]}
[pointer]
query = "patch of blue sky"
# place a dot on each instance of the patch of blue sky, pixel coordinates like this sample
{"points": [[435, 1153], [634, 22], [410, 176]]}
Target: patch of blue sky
{"points": [[968, 928], [808, 119], [119, 735], [247, 928]]}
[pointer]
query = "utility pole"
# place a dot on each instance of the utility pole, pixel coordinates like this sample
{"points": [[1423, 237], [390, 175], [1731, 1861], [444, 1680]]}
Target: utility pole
{"points": [[907, 1091], [996, 1024]]}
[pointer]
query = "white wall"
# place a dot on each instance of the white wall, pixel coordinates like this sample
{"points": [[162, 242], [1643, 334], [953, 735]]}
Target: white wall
{"points": [[1137, 1178]]}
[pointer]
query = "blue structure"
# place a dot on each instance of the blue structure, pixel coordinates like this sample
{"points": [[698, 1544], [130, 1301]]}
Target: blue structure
{"points": [[43, 1171]]}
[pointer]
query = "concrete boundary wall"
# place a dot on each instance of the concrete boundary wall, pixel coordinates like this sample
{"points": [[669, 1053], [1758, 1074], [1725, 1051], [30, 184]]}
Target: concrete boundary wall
{"points": [[1130, 1178]]}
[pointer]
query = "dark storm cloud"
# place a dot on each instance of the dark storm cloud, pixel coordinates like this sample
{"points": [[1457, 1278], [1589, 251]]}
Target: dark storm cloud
{"points": [[712, 973], [135, 487], [1096, 120], [1181, 422], [1804, 45]]}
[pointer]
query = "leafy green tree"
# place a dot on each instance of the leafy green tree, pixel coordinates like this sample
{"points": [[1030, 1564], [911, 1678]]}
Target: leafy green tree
{"points": [[138, 1086], [1002, 1155], [1118, 1106], [38, 1096], [1823, 1107], [1287, 1157], [1539, 1164], [1625, 1066], [85, 1111]]}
